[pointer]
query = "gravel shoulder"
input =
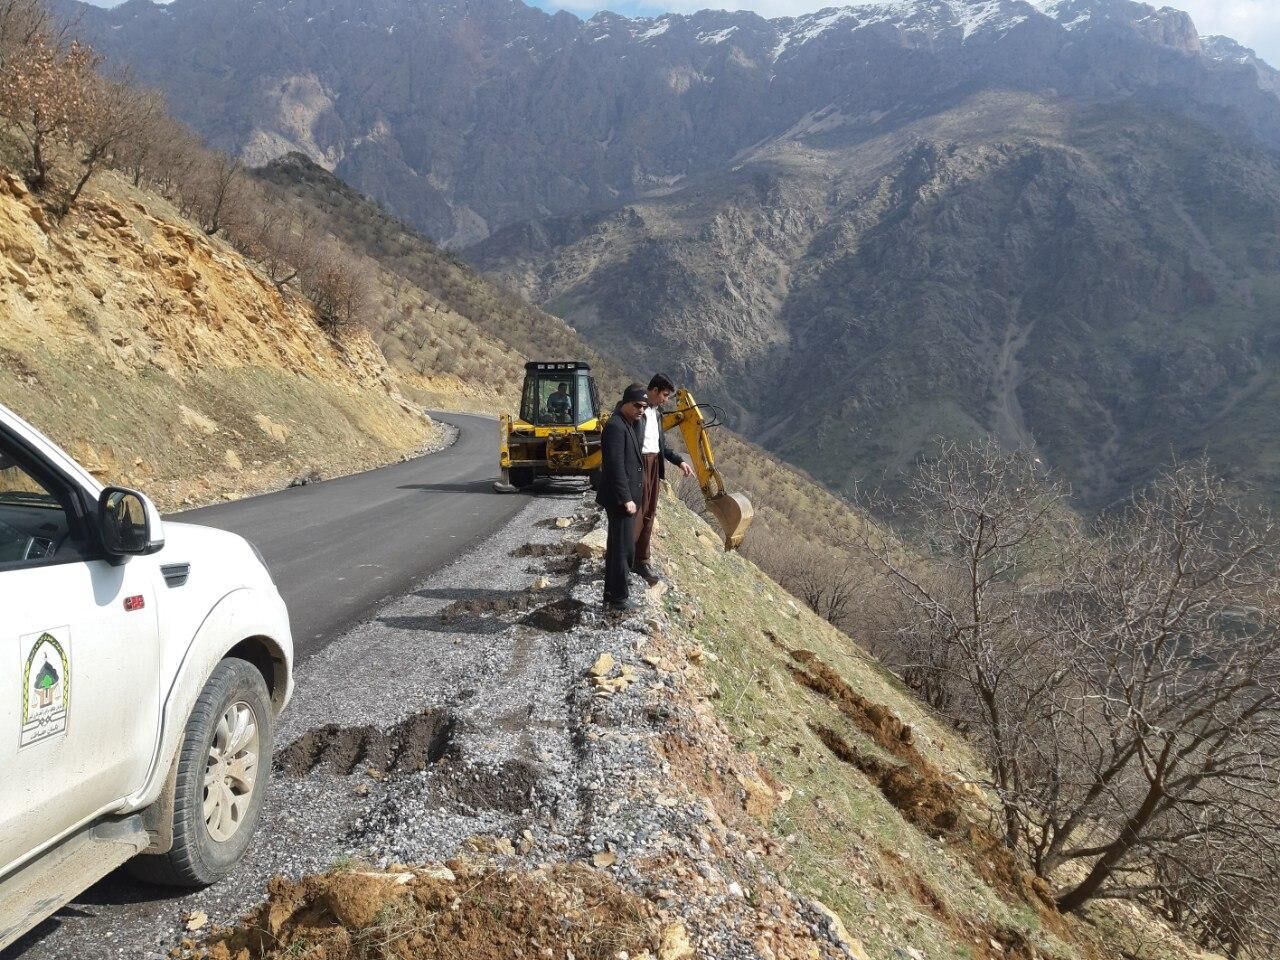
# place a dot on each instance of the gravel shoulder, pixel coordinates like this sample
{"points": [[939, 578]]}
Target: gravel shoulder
{"points": [[495, 713]]}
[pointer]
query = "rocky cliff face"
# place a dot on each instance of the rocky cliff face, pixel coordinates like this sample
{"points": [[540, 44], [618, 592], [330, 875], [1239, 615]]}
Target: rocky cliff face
{"points": [[464, 116], [1096, 284]]}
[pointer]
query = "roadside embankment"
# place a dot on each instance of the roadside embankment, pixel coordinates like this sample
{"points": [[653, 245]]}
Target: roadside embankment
{"points": [[492, 767], [723, 775]]}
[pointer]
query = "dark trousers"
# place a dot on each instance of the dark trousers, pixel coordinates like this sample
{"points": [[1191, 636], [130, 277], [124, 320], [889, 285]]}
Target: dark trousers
{"points": [[648, 507], [619, 555]]}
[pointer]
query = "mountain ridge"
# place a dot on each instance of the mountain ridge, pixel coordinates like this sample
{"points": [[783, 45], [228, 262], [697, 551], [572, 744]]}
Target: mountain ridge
{"points": [[487, 112]]}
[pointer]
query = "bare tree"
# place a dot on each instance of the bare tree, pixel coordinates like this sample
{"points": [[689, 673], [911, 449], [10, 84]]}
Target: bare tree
{"points": [[114, 113], [1123, 679], [984, 518], [216, 193], [138, 154], [175, 157], [21, 23], [1171, 620], [336, 287], [278, 243], [45, 93]]}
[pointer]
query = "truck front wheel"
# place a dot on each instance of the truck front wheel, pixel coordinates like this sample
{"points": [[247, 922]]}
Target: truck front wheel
{"points": [[223, 768]]}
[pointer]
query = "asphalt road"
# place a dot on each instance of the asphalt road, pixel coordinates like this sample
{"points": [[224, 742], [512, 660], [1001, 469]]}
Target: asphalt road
{"points": [[339, 548]]}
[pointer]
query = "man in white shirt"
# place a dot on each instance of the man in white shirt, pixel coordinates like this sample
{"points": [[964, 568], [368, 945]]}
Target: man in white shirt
{"points": [[656, 454]]}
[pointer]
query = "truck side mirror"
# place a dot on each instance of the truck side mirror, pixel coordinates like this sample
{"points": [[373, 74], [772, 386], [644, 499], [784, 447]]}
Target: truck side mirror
{"points": [[129, 523]]}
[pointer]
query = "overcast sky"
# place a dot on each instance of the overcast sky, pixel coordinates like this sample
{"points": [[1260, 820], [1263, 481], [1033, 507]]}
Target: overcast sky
{"points": [[1255, 23]]}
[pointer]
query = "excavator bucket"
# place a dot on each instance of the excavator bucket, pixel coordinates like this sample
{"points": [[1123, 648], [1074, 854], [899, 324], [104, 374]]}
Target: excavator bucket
{"points": [[734, 513]]}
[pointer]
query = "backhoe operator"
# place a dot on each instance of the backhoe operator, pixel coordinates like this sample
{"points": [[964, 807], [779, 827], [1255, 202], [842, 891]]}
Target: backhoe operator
{"points": [[560, 405]]}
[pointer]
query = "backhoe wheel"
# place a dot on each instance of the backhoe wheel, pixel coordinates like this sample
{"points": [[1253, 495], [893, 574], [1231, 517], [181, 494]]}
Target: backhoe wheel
{"points": [[521, 477], [223, 768]]}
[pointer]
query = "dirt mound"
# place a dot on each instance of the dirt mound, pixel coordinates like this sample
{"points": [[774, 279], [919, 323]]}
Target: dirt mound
{"points": [[488, 606], [926, 801], [877, 721], [462, 914], [410, 746], [558, 617]]}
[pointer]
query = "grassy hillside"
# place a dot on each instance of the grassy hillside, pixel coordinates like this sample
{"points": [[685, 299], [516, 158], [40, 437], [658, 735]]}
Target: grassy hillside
{"points": [[878, 817]]}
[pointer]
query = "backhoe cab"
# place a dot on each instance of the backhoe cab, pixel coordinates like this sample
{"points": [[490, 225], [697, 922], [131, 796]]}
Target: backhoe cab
{"points": [[558, 435]]}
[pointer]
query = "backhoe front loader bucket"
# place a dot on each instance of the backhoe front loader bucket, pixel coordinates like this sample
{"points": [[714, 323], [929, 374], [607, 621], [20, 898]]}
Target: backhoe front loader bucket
{"points": [[734, 513]]}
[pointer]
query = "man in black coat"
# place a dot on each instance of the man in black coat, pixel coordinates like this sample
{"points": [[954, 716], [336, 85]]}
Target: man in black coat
{"points": [[621, 490]]}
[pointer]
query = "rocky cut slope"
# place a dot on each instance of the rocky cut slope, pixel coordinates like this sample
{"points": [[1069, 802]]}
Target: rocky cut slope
{"points": [[163, 359]]}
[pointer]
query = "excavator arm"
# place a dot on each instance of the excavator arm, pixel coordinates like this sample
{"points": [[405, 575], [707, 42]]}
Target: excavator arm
{"points": [[732, 511]]}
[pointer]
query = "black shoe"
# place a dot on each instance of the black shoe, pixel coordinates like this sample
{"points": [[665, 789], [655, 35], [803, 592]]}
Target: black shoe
{"points": [[647, 574], [621, 606]]}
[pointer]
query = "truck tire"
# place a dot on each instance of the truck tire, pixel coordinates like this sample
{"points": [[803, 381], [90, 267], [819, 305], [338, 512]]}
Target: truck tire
{"points": [[522, 477], [227, 742]]}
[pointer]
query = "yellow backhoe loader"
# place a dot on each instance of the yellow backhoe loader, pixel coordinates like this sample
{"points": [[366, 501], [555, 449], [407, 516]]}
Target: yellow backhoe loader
{"points": [[557, 434]]}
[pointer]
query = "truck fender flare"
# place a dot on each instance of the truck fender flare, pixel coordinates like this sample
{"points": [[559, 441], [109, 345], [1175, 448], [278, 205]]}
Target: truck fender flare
{"points": [[233, 619]]}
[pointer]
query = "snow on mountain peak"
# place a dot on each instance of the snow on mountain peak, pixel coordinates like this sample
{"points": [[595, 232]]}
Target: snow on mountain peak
{"points": [[934, 16]]}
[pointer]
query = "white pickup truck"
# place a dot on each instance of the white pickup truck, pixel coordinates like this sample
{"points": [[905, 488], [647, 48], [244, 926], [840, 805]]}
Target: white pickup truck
{"points": [[143, 665]]}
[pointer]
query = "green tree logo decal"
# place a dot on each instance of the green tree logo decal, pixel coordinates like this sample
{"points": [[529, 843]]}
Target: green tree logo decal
{"points": [[45, 681]]}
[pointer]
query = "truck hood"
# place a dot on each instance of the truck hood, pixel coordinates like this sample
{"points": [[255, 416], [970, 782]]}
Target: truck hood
{"points": [[214, 549]]}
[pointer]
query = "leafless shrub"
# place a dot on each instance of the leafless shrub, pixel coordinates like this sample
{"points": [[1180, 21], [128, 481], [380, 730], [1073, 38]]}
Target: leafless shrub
{"points": [[139, 155], [336, 286], [217, 193], [828, 582]]}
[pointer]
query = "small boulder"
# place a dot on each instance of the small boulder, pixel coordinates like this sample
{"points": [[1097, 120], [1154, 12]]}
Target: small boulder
{"points": [[593, 544], [674, 943]]}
